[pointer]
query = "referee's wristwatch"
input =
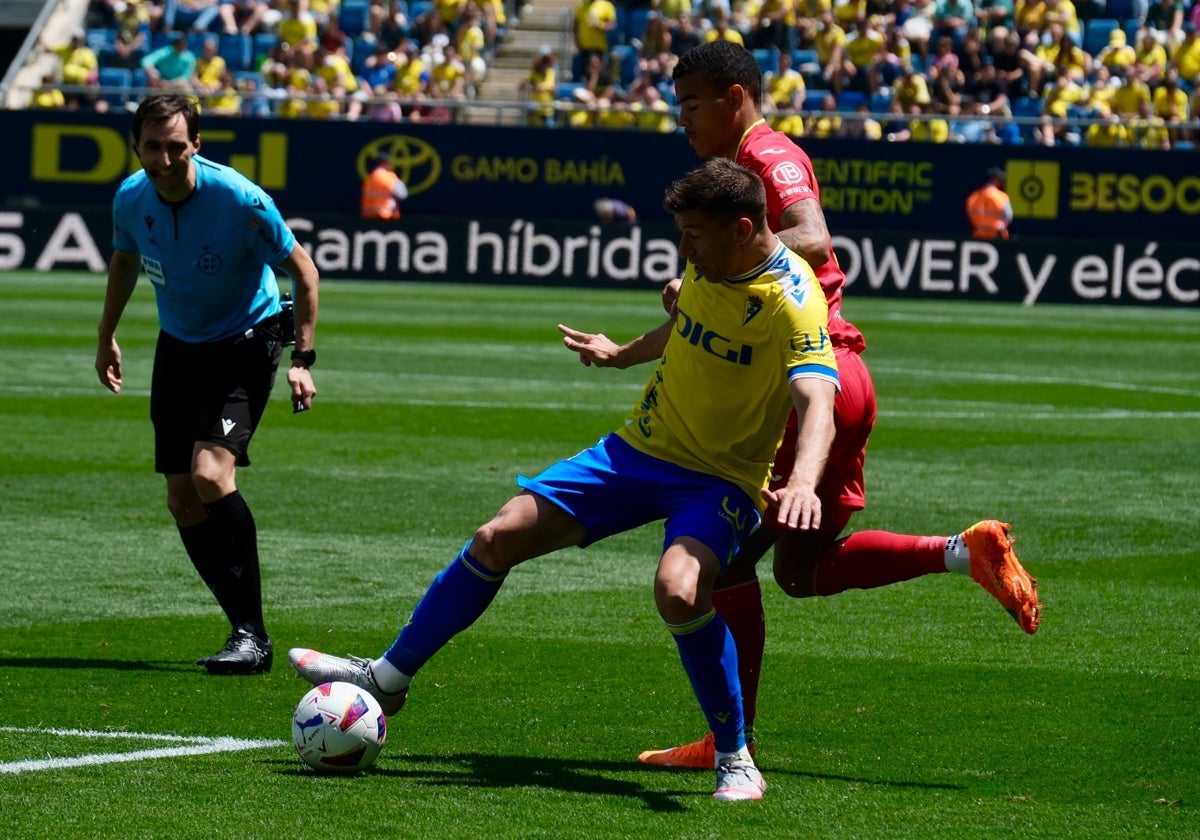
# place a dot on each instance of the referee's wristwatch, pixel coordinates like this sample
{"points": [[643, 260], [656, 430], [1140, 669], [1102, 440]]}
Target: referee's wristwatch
{"points": [[307, 358]]}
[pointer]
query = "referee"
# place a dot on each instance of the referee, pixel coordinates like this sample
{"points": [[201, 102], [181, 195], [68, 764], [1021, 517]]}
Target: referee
{"points": [[209, 241]]}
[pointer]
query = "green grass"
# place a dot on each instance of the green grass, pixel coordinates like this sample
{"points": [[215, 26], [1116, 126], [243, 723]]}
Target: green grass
{"points": [[917, 710]]}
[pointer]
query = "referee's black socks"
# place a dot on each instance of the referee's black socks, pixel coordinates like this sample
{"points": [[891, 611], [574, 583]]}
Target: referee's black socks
{"points": [[227, 542]]}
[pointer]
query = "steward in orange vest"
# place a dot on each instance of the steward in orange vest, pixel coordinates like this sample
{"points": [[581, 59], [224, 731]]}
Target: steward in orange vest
{"points": [[382, 191], [989, 208]]}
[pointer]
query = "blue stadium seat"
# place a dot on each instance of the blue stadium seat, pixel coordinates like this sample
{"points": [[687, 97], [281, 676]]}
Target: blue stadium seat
{"points": [[804, 60], [624, 63], [1131, 28], [99, 39], [566, 90], [363, 48], [137, 79], [1095, 34], [1027, 106], [264, 42], [848, 100], [416, 8], [768, 60], [813, 99], [116, 82], [880, 101], [354, 17], [237, 50]]}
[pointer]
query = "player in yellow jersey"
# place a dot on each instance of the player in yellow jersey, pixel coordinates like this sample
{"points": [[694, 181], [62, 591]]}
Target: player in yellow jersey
{"points": [[719, 90], [749, 345]]}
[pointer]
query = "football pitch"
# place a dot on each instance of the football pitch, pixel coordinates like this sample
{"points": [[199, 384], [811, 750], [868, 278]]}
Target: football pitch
{"points": [[917, 710]]}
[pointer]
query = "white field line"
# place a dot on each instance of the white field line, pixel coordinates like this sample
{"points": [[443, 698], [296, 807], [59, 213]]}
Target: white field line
{"points": [[189, 745]]}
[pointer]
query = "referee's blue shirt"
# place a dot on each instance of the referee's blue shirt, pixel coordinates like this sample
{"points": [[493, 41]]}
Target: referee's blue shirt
{"points": [[211, 257]]}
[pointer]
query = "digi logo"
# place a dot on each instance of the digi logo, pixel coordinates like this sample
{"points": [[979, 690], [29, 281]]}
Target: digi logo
{"points": [[416, 162], [1033, 187]]}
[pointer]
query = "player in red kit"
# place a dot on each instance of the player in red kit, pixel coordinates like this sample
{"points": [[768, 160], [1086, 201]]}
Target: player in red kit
{"points": [[719, 89]]}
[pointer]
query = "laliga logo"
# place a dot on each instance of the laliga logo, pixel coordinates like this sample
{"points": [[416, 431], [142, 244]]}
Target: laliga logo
{"points": [[1033, 188], [415, 161]]}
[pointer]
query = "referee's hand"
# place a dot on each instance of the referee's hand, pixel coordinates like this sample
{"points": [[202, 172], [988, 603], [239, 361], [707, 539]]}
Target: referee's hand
{"points": [[108, 365], [303, 390]]}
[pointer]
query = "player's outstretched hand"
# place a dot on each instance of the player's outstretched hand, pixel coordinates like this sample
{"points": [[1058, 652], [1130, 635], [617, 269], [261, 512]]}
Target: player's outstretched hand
{"points": [[795, 509], [593, 348]]}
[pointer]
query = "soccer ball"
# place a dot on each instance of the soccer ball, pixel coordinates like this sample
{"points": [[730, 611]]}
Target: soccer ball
{"points": [[338, 728]]}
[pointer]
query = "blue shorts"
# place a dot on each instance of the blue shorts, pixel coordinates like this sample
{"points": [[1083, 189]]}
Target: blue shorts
{"points": [[613, 487]]}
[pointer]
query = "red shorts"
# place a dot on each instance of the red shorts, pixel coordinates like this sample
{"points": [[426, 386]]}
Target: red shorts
{"points": [[843, 488]]}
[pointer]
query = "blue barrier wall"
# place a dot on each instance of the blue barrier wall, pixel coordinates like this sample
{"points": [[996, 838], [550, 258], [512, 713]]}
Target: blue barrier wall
{"points": [[77, 160], [566, 252]]}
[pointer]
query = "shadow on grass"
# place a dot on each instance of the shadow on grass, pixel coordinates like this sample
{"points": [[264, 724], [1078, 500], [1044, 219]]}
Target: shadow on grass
{"points": [[503, 771], [577, 776], [72, 662]]}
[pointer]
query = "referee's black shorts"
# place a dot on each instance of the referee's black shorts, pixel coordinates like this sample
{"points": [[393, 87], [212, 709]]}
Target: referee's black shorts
{"points": [[211, 393]]}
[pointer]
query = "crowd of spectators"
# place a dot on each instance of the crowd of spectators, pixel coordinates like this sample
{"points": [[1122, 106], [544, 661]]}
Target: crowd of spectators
{"points": [[1050, 72], [322, 59]]}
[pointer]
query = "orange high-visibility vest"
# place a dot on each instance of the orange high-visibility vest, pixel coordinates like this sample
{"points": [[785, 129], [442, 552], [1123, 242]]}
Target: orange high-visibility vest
{"points": [[378, 200], [987, 209]]}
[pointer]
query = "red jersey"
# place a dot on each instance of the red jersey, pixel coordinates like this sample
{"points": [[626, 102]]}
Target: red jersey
{"points": [[787, 173]]}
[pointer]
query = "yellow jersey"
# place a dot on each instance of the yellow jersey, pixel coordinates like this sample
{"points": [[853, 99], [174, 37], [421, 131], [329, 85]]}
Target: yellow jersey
{"points": [[210, 71], [50, 98], [593, 19], [791, 124], [1187, 59], [1128, 98], [862, 49], [929, 131], [294, 31], [408, 77], [730, 34], [1170, 104], [785, 89], [828, 40], [1106, 135], [336, 72], [719, 399]]}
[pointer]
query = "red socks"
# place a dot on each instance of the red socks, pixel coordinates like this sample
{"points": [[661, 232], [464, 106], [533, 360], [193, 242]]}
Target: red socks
{"points": [[867, 559], [741, 608]]}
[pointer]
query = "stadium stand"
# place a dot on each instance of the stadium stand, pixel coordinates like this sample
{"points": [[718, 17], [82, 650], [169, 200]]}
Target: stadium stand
{"points": [[413, 35]]}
